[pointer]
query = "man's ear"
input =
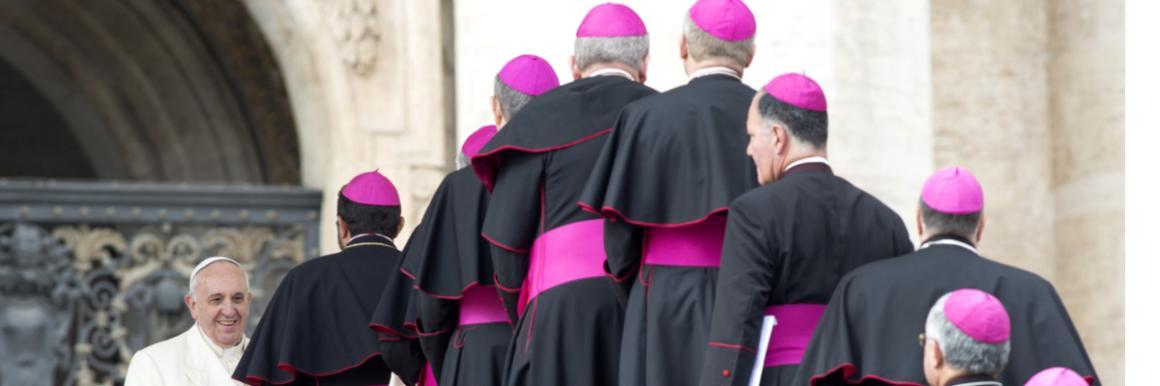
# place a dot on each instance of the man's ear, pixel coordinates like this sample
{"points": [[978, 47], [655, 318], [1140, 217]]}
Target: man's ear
{"points": [[937, 354], [191, 305], [343, 229], [576, 74], [399, 229], [497, 112], [643, 76], [918, 221], [752, 54], [684, 48], [782, 137], [979, 230]]}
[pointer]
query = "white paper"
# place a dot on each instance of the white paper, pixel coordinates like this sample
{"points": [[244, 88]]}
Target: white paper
{"points": [[767, 324]]}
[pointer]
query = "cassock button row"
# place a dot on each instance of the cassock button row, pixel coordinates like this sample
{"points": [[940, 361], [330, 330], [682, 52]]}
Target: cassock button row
{"points": [[725, 373]]}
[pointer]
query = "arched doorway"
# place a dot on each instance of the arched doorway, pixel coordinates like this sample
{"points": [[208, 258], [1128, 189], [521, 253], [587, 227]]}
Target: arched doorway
{"points": [[136, 137], [173, 91]]}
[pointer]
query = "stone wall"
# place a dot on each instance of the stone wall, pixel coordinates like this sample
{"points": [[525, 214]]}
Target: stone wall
{"points": [[1086, 105], [368, 92]]}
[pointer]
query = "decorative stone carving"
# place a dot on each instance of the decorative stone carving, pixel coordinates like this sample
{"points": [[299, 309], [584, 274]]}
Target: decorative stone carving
{"points": [[356, 29]]}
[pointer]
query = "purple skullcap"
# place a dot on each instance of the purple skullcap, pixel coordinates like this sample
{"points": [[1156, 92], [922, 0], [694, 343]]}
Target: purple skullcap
{"points": [[476, 140], [611, 20], [953, 191], [529, 74], [728, 20], [797, 90], [371, 188], [1057, 376], [979, 315]]}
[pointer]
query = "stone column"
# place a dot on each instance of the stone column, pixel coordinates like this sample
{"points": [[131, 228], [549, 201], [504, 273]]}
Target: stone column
{"points": [[990, 110], [1086, 72], [880, 109]]}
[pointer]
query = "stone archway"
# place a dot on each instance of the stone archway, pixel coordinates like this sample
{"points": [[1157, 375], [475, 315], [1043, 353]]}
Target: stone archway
{"points": [[168, 91]]}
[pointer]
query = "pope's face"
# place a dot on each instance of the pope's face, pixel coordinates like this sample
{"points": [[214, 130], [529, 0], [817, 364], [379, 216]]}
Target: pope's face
{"points": [[762, 147], [221, 303]]}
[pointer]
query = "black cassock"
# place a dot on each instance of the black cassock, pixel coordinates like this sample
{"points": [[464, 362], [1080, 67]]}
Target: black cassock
{"points": [[548, 253], [787, 244], [314, 330], [462, 326], [664, 182], [871, 325]]}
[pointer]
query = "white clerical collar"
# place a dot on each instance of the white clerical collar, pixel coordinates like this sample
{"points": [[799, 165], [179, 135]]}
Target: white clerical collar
{"points": [[715, 70], [611, 71], [954, 242], [222, 352], [814, 159]]}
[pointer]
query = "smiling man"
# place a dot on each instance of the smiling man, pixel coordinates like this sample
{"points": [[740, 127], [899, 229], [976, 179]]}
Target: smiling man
{"points": [[219, 301]]}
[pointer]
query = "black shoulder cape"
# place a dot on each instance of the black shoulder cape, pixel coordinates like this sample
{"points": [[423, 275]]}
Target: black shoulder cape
{"points": [[316, 322], [548, 122], [870, 327], [675, 158], [446, 255]]}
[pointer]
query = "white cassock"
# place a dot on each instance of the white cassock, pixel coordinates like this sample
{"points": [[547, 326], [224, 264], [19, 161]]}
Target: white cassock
{"points": [[187, 359]]}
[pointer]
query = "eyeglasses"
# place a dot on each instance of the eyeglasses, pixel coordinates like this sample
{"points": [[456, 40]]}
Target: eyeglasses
{"points": [[922, 340]]}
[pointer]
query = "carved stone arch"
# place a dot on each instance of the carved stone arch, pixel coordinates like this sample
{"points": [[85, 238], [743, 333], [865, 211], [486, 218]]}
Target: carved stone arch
{"points": [[168, 91]]}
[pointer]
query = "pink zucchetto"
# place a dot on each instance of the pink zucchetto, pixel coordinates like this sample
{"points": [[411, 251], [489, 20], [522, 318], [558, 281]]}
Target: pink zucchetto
{"points": [[611, 20], [728, 20], [476, 140], [1057, 376], [953, 191], [979, 315], [371, 188], [797, 90], [529, 74]]}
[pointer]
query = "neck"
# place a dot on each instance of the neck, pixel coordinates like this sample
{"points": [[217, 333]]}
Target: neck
{"points": [[939, 235], [964, 377], [692, 66], [633, 75], [800, 154]]}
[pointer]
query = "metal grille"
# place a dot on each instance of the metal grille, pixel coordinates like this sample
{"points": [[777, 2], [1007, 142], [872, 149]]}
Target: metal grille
{"points": [[92, 272]]}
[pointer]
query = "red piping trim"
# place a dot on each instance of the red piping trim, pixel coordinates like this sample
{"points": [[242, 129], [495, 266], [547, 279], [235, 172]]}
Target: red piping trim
{"points": [[613, 213], [257, 380], [502, 288], [435, 295], [733, 347], [502, 245], [848, 370], [384, 329], [489, 181], [543, 149], [436, 333]]}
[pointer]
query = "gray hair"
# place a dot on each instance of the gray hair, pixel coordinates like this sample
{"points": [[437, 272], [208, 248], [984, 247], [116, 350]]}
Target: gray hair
{"points": [[703, 45], [939, 223], [194, 279], [626, 50], [806, 128], [510, 101], [961, 351]]}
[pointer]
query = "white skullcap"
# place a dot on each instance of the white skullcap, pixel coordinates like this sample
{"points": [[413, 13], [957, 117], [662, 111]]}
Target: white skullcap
{"points": [[205, 263]]}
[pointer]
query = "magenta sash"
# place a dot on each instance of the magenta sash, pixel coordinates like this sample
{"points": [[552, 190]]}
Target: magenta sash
{"points": [[428, 376], [791, 335], [697, 245], [481, 305], [565, 254]]}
